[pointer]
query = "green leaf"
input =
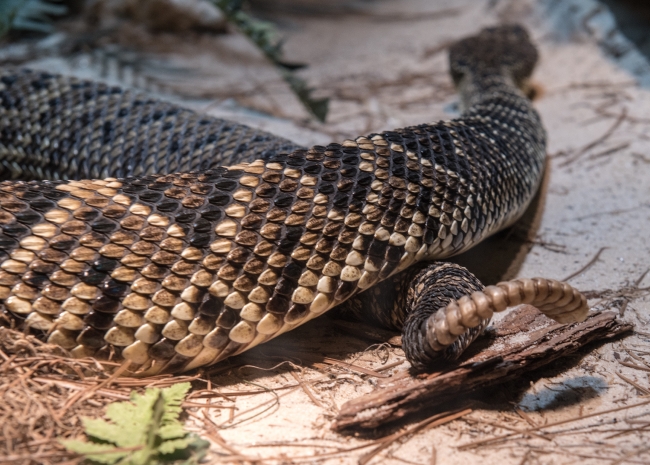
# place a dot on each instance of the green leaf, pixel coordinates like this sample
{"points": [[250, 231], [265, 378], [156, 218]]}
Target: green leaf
{"points": [[32, 15], [318, 107], [265, 36], [194, 451], [169, 447], [99, 453], [110, 432], [154, 425], [171, 431], [174, 396], [148, 425]]}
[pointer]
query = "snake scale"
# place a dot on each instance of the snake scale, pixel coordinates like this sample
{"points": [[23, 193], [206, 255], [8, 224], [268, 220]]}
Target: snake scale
{"points": [[124, 233]]}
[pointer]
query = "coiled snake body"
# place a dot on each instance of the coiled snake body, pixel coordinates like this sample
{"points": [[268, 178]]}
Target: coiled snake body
{"points": [[176, 271]]}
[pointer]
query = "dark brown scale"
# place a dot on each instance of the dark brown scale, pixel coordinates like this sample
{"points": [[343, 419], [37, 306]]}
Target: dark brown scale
{"points": [[113, 288], [278, 304], [99, 320], [40, 266], [28, 217], [176, 363], [32, 278], [227, 318], [14, 230], [6, 244], [201, 225], [345, 290], [162, 350], [285, 286], [387, 269], [150, 197], [200, 240], [232, 348], [63, 242], [92, 277], [91, 337], [217, 339], [211, 306], [296, 313]]}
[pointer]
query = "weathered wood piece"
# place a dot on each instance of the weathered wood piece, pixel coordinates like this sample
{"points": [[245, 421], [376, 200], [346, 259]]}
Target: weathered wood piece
{"points": [[523, 341]]}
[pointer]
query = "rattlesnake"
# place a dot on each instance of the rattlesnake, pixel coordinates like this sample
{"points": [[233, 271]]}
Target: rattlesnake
{"points": [[177, 271]]}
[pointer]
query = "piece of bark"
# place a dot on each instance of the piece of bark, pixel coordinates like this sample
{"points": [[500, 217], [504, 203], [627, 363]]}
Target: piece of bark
{"points": [[523, 341]]}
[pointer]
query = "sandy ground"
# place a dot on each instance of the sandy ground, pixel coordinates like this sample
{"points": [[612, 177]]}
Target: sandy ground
{"points": [[383, 65]]}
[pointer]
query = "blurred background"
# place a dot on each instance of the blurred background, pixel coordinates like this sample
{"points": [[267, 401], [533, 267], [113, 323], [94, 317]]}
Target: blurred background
{"points": [[270, 62]]}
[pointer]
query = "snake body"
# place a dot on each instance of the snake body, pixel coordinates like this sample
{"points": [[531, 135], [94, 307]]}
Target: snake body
{"points": [[58, 127], [175, 262]]}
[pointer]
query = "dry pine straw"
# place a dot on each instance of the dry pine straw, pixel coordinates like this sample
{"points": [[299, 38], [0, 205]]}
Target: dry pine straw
{"points": [[33, 411], [44, 393]]}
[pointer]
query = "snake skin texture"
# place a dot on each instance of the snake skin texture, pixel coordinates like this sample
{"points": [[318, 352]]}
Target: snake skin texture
{"points": [[56, 127], [177, 271], [410, 300]]}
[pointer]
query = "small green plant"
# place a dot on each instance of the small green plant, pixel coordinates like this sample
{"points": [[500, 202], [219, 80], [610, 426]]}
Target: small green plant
{"points": [[265, 36], [144, 431], [29, 15]]}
